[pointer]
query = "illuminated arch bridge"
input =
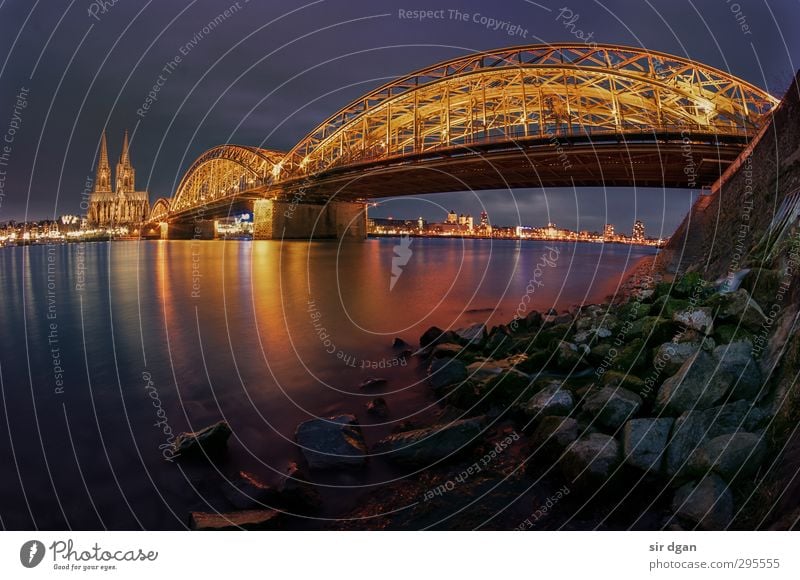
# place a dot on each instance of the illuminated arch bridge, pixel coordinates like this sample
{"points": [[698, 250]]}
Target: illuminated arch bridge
{"points": [[530, 116]]}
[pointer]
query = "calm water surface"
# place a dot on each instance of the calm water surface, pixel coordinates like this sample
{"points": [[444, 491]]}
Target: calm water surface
{"points": [[103, 345]]}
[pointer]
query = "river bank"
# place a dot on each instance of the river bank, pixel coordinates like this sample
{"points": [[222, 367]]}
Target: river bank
{"points": [[651, 412]]}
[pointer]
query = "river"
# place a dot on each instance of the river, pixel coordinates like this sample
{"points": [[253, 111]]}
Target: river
{"points": [[107, 348]]}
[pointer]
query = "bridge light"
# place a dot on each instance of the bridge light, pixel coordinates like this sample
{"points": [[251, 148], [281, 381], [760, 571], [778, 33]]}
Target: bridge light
{"points": [[276, 170]]}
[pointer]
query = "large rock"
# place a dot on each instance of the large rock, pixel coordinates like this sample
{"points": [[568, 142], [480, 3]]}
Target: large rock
{"points": [[696, 385], [612, 406], [700, 319], [378, 408], [484, 369], [645, 440], [435, 335], [473, 334], [569, 355], [431, 336], [425, 446], [693, 428], [707, 504], [593, 457], [733, 455], [553, 434], [297, 493], [446, 371], [210, 441], [248, 492], [739, 308], [762, 284], [446, 350], [333, 442], [672, 355], [239, 520], [736, 359], [499, 342], [552, 400]]}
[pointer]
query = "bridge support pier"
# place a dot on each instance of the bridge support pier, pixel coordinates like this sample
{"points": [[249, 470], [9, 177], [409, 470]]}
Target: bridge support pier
{"points": [[276, 219], [195, 230]]}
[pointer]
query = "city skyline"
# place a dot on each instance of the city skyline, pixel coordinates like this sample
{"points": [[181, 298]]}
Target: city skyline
{"points": [[225, 108]]}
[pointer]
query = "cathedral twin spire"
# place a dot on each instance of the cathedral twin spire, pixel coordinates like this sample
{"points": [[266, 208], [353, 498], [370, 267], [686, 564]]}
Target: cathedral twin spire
{"points": [[125, 173]]}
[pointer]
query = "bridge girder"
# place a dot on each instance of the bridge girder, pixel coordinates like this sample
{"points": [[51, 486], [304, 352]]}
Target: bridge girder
{"points": [[515, 98], [223, 172], [530, 91]]}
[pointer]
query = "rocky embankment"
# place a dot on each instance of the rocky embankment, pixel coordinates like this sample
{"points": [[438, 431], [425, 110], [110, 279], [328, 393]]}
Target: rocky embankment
{"points": [[650, 413]]}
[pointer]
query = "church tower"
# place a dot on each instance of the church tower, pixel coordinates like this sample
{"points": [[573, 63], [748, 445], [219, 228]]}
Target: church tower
{"points": [[123, 207], [125, 173], [102, 179]]}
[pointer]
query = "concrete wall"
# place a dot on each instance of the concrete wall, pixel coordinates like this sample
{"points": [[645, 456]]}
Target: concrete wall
{"points": [[722, 230]]}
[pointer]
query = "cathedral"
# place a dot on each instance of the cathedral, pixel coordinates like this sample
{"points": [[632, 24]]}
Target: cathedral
{"points": [[122, 206]]}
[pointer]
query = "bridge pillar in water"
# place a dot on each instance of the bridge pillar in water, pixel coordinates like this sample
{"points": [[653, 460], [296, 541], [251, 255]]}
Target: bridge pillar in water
{"points": [[276, 219]]}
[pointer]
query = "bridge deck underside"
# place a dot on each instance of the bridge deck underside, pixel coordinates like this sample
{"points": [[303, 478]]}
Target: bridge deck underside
{"points": [[663, 161], [668, 163]]}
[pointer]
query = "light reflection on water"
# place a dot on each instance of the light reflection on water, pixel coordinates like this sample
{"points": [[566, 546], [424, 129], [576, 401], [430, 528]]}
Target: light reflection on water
{"points": [[263, 334]]}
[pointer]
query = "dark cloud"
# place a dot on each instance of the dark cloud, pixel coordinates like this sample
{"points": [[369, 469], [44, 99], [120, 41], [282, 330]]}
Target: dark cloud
{"points": [[254, 82]]}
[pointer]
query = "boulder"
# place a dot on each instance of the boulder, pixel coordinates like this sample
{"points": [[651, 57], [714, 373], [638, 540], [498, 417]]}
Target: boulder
{"points": [[209, 441], [632, 357], [333, 442], [248, 492], [594, 457], [427, 445], [485, 369], [472, 334], [726, 333], [446, 350], [554, 399], [644, 442], [696, 385], [736, 359], [565, 318], [762, 284], [533, 319], [611, 407], [498, 343], [625, 380], [738, 308], [378, 407], [400, 343], [691, 284], [431, 336], [297, 493], [667, 306], [653, 330], [707, 505], [238, 520], [443, 372], [553, 434], [672, 355], [700, 319], [569, 355], [733, 455], [693, 428]]}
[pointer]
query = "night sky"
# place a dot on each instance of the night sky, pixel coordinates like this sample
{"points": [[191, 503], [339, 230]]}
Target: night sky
{"points": [[274, 70]]}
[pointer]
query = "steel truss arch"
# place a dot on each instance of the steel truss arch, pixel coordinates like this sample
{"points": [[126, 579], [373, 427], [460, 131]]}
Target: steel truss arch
{"points": [[538, 91], [224, 171]]}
